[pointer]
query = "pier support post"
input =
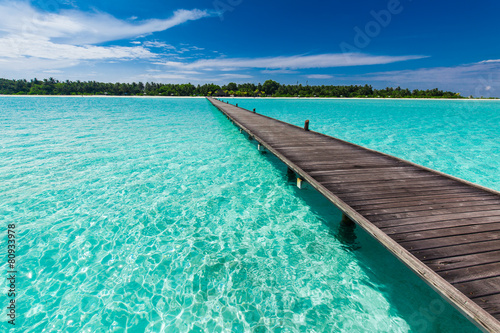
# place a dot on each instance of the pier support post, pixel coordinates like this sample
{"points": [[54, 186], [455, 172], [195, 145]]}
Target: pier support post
{"points": [[346, 219], [299, 183], [306, 125], [346, 233]]}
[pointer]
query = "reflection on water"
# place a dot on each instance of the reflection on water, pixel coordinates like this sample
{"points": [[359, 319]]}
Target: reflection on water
{"points": [[346, 233]]}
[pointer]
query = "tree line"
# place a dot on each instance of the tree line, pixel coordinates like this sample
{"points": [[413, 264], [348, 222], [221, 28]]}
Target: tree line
{"points": [[269, 88]]}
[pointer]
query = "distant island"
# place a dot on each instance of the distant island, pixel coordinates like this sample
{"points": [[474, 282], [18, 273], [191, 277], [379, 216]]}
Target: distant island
{"points": [[270, 88]]}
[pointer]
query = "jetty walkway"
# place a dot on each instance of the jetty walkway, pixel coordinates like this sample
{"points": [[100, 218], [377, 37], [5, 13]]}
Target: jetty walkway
{"points": [[445, 229]]}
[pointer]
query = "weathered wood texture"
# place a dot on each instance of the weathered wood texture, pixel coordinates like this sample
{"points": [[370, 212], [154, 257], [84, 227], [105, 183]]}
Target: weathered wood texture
{"points": [[447, 230]]}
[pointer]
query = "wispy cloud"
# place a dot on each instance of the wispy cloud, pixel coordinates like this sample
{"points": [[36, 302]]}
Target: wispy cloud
{"points": [[480, 78], [164, 76], [158, 44], [489, 61], [295, 62], [35, 47], [53, 71], [77, 27], [278, 71], [191, 76], [21, 65], [235, 76], [319, 76], [34, 37]]}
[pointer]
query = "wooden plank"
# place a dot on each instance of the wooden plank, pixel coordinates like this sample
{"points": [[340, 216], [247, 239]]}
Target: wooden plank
{"points": [[458, 250], [438, 242], [367, 198], [406, 228], [467, 260], [480, 288], [443, 232], [326, 178], [375, 216], [320, 169], [360, 163], [456, 221], [401, 171], [360, 206], [471, 273], [311, 147], [363, 194], [440, 217], [393, 183], [352, 163], [435, 207], [334, 153], [354, 190], [374, 199], [489, 303]]}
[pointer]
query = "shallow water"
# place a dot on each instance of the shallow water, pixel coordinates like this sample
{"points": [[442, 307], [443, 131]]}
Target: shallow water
{"points": [[156, 215]]}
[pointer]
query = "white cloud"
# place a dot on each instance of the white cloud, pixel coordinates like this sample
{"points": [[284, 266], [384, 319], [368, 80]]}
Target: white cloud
{"points": [[489, 61], [181, 76], [278, 71], [319, 76], [465, 72], [76, 27], [235, 76], [480, 78], [30, 37], [167, 76], [190, 72], [23, 65], [27, 47], [294, 62], [157, 44]]}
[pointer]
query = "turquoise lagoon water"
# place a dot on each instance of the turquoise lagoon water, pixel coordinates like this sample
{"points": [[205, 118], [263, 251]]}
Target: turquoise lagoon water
{"points": [[156, 215]]}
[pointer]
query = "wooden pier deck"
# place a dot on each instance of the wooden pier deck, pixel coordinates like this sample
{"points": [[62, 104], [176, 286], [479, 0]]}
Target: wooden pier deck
{"points": [[445, 229]]}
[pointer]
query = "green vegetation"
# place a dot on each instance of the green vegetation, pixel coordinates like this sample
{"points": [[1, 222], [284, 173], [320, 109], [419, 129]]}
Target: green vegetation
{"points": [[269, 88]]}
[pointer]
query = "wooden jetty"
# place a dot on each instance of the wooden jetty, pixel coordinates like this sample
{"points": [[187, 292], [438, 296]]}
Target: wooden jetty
{"points": [[445, 229]]}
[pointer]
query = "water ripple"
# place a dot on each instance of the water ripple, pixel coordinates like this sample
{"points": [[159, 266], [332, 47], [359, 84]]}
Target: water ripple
{"points": [[156, 215]]}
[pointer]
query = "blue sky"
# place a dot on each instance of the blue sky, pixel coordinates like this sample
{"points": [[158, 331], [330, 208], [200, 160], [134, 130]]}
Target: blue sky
{"points": [[451, 45]]}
